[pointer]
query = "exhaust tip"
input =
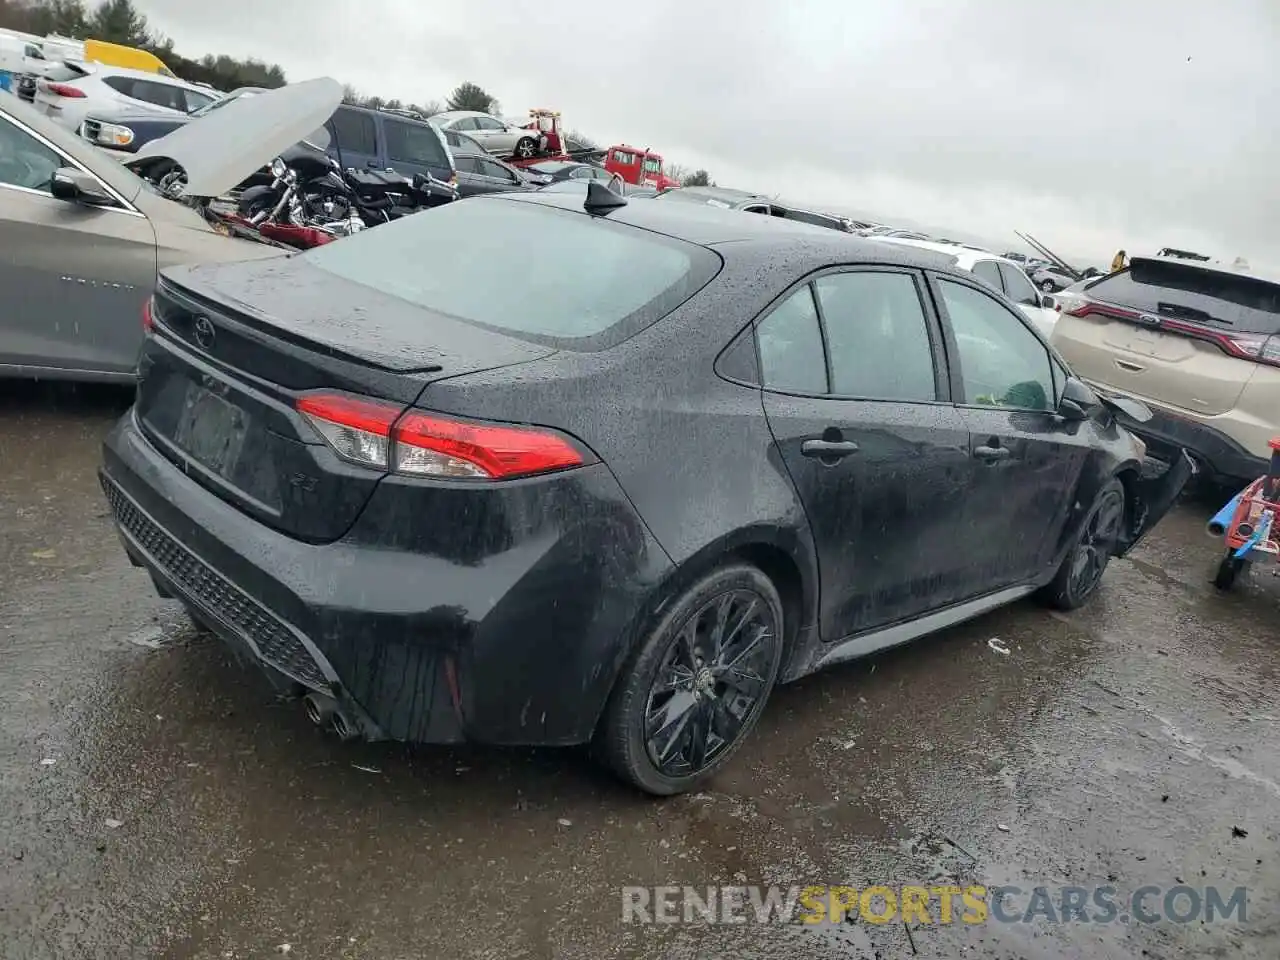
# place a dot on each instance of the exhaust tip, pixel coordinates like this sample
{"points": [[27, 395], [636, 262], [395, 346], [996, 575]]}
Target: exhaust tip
{"points": [[342, 728], [318, 711]]}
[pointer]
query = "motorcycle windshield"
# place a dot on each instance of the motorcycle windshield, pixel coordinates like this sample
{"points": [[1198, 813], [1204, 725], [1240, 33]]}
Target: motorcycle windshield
{"points": [[226, 147]]}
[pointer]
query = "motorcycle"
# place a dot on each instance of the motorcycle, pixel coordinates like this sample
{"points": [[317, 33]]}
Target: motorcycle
{"points": [[309, 189]]}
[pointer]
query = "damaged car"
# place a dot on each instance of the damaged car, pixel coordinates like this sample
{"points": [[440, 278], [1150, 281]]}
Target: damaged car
{"points": [[84, 235], [676, 457]]}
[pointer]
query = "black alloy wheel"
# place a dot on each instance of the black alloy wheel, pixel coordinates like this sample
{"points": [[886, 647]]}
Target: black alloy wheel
{"points": [[1081, 572], [697, 684]]}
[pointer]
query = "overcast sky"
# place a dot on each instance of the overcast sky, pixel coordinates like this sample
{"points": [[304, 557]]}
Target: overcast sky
{"points": [[1090, 125]]}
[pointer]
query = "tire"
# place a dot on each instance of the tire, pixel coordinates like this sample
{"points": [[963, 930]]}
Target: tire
{"points": [[675, 674], [1228, 570], [1082, 568], [1047, 286], [254, 202], [526, 148]]}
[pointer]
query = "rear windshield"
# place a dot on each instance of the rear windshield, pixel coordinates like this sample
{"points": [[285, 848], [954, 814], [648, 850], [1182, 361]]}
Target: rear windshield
{"points": [[1182, 291], [585, 282], [62, 72]]}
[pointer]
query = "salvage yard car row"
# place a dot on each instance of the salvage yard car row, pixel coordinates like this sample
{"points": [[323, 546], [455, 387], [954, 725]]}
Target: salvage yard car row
{"points": [[444, 485]]}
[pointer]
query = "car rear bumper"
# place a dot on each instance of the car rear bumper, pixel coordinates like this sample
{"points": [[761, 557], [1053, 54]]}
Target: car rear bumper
{"points": [[1166, 433], [520, 646]]}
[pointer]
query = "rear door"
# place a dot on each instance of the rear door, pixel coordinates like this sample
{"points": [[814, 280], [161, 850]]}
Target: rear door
{"points": [[1024, 462], [75, 277], [858, 406], [354, 142], [1164, 330]]}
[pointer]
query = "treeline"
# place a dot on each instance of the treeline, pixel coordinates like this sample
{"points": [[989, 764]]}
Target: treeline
{"points": [[119, 21]]}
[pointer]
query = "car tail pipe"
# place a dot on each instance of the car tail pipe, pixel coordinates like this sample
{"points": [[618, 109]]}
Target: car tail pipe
{"points": [[1219, 522], [328, 714]]}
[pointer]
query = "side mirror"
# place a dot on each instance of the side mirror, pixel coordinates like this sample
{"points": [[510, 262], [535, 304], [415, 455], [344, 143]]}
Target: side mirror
{"points": [[1048, 302], [1078, 401], [76, 186]]}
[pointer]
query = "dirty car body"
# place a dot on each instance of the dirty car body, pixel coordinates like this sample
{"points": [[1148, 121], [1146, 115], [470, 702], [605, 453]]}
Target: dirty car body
{"points": [[457, 509]]}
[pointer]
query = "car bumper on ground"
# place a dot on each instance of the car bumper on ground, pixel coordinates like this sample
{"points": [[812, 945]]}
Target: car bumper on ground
{"points": [[1166, 433], [518, 646]]}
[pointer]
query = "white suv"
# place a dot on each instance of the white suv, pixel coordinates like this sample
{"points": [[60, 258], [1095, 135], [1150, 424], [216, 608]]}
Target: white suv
{"points": [[71, 90]]}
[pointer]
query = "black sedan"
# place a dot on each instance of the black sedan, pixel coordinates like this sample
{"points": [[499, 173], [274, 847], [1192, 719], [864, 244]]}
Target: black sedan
{"points": [[611, 487], [557, 170], [483, 173]]}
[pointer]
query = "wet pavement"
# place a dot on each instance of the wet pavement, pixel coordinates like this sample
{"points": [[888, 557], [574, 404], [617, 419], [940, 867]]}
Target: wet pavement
{"points": [[155, 800]]}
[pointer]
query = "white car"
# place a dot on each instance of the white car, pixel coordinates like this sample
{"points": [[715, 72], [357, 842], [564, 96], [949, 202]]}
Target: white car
{"points": [[999, 273], [71, 90], [499, 137]]}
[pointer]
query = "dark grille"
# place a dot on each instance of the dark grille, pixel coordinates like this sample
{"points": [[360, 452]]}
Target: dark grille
{"points": [[276, 643], [91, 130]]}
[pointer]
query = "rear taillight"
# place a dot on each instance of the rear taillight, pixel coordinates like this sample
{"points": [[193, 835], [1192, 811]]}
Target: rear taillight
{"points": [[358, 430], [64, 90], [147, 321], [372, 433], [1247, 346], [1259, 348], [1079, 306]]}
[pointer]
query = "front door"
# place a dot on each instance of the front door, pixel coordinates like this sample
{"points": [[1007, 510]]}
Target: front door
{"points": [[1024, 459], [75, 276], [878, 455]]}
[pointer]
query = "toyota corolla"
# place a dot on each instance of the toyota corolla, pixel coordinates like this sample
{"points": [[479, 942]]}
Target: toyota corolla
{"points": [[611, 487]]}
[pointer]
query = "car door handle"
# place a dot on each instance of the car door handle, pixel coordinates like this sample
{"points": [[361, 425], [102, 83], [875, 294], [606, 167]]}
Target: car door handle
{"points": [[991, 454], [828, 449]]}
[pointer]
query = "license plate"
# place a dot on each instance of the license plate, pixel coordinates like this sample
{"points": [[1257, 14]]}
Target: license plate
{"points": [[210, 430]]}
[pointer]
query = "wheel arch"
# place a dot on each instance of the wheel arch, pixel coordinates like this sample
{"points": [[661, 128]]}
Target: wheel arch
{"points": [[788, 563]]}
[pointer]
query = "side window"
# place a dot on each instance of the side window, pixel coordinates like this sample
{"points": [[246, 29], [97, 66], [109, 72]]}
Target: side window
{"points": [[122, 85], [1018, 287], [988, 273], [467, 164], [487, 123], [790, 345], [877, 336], [24, 160], [161, 94], [466, 123], [497, 171], [196, 100], [355, 132], [1002, 362], [581, 173]]}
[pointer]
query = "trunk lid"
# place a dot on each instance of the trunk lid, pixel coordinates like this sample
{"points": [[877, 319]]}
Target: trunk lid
{"points": [[228, 145], [235, 345]]}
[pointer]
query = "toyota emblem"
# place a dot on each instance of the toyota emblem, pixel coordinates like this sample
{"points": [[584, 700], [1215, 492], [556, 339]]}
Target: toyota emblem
{"points": [[204, 332]]}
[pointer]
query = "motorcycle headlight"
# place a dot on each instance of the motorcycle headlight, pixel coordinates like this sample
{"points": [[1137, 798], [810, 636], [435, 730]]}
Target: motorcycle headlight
{"points": [[279, 168]]}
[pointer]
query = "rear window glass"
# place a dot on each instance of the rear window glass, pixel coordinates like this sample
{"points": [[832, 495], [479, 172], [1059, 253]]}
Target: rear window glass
{"points": [[1185, 292], [414, 143], [585, 277], [62, 72]]}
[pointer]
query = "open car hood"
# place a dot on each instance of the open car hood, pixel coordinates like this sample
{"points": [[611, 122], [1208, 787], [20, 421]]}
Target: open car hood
{"points": [[225, 147]]}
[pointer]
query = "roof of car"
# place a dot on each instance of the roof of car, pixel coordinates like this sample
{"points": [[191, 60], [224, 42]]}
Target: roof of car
{"points": [[711, 226], [454, 114], [110, 70], [725, 194]]}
